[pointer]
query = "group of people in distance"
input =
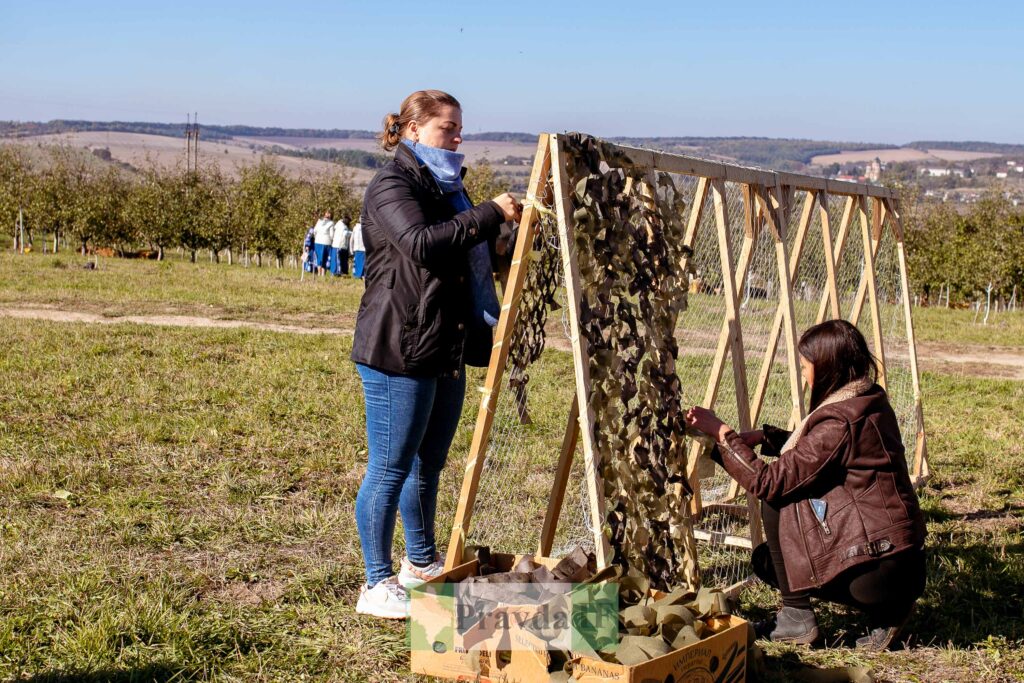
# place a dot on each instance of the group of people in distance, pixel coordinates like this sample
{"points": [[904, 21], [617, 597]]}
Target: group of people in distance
{"points": [[328, 246], [842, 522]]}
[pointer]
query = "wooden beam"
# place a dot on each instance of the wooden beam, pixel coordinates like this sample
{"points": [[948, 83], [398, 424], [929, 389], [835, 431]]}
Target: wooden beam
{"points": [[499, 357], [837, 255], [920, 467], [870, 249], [581, 358], [775, 331], [625, 156], [736, 279], [735, 330], [827, 249], [565, 457]]}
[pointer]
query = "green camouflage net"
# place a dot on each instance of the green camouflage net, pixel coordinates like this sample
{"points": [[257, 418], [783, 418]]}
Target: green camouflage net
{"points": [[634, 275]]}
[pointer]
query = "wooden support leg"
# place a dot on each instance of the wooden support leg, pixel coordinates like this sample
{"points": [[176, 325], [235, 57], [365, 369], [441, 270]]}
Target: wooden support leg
{"points": [[499, 356], [565, 457]]}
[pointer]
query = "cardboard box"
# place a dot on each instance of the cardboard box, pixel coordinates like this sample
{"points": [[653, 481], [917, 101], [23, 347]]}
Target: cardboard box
{"points": [[526, 662], [721, 658]]}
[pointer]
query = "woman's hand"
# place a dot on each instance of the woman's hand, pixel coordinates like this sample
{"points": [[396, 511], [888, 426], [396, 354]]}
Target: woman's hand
{"points": [[706, 421], [510, 206]]}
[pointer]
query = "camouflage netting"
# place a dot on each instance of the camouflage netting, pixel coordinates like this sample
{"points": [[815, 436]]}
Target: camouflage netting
{"points": [[634, 280]]}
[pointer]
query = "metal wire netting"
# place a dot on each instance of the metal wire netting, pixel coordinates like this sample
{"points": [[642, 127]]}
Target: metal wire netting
{"points": [[522, 457]]}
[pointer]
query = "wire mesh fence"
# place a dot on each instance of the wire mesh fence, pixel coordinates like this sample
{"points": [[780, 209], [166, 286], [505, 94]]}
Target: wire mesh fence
{"points": [[821, 232]]}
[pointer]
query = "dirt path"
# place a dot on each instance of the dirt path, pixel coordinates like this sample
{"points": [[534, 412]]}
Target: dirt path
{"points": [[57, 315], [976, 361]]}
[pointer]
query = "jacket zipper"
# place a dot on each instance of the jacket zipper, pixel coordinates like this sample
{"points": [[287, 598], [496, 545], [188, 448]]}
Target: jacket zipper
{"points": [[742, 461], [800, 526]]}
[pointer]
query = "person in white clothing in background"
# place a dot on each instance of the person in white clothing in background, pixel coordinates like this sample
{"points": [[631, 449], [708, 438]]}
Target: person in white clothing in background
{"points": [[340, 246], [322, 237], [358, 251]]}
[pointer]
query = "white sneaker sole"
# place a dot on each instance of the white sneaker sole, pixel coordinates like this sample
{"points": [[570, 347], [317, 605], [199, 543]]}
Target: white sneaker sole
{"points": [[379, 613]]}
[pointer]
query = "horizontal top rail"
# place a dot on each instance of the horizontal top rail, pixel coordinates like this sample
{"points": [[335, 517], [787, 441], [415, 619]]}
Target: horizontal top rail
{"points": [[718, 170]]}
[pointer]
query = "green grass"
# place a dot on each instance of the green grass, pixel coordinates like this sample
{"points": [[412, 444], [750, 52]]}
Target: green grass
{"points": [[177, 503], [128, 286]]}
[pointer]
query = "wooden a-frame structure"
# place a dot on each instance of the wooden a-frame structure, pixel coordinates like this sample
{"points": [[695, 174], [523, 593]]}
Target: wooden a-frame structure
{"points": [[768, 205]]}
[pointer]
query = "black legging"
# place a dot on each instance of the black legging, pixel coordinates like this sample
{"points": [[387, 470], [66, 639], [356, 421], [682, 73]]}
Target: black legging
{"points": [[885, 589]]}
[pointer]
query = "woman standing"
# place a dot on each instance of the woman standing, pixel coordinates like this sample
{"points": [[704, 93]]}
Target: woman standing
{"points": [[425, 313], [841, 518]]}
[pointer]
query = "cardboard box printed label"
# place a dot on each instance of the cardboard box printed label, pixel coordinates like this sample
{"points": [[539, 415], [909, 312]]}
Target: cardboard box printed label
{"points": [[563, 617]]}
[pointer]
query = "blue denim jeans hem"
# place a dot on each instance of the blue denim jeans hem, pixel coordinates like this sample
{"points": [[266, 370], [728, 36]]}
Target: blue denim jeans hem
{"points": [[410, 424]]}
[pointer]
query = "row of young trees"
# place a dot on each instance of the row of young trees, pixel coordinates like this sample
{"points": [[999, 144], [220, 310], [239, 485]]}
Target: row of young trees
{"points": [[76, 197], [969, 253], [88, 203]]}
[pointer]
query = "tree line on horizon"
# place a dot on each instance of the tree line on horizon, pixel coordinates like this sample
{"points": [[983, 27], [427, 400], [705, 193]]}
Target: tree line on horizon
{"points": [[71, 198]]}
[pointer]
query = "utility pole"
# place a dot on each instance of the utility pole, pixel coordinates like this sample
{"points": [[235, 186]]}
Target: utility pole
{"points": [[192, 143]]}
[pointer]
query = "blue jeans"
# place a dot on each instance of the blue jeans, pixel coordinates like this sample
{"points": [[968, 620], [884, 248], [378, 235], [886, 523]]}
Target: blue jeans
{"points": [[410, 424]]}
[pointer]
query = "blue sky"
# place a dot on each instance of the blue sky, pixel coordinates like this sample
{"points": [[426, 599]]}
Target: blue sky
{"points": [[867, 71]]}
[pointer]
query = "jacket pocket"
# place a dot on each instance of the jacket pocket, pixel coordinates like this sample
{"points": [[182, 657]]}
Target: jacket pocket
{"points": [[410, 335]]}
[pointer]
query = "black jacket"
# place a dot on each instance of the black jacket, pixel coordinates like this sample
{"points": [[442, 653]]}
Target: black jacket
{"points": [[415, 317]]}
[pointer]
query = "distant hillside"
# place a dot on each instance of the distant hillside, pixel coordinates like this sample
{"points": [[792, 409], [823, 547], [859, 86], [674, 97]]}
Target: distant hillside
{"points": [[778, 153], [211, 132], [970, 146]]}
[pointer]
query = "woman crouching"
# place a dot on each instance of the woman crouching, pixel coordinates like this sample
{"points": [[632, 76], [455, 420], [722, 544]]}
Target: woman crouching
{"points": [[841, 519]]}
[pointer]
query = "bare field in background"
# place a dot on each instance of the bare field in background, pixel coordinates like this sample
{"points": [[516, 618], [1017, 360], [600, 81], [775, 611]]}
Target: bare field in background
{"points": [[902, 154], [473, 149], [230, 155]]}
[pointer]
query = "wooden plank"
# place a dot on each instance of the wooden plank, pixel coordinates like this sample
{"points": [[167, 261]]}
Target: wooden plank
{"points": [[920, 467], [731, 292], [775, 331], [716, 170], [837, 255], [862, 287], [499, 356], [581, 359], [565, 456], [737, 279], [789, 317], [722, 538], [827, 249], [700, 197], [870, 249]]}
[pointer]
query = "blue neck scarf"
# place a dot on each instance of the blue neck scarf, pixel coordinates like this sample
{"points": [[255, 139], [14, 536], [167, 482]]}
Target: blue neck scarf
{"points": [[446, 167]]}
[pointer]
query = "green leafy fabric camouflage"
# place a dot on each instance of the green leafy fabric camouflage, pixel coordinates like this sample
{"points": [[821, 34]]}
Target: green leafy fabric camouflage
{"points": [[634, 271], [537, 300]]}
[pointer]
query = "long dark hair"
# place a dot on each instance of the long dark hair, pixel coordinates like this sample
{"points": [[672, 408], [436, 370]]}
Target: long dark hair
{"points": [[839, 354]]}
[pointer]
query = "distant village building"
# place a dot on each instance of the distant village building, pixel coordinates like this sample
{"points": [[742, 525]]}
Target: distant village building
{"points": [[1001, 174], [942, 172]]}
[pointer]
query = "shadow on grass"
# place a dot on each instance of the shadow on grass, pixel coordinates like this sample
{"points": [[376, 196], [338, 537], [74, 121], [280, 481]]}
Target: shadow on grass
{"points": [[150, 673]]}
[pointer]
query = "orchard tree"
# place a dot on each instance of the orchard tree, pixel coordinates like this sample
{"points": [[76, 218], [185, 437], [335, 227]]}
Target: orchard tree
{"points": [[263, 195], [16, 186], [54, 204], [154, 205]]}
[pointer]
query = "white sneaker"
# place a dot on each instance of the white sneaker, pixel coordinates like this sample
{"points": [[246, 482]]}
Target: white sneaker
{"points": [[387, 600], [411, 576]]}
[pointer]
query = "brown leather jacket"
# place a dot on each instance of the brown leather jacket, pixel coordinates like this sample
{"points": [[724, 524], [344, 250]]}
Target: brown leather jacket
{"points": [[850, 457]]}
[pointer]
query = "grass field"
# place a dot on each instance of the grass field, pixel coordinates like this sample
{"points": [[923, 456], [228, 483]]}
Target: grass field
{"points": [[126, 287], [176, 503]]}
